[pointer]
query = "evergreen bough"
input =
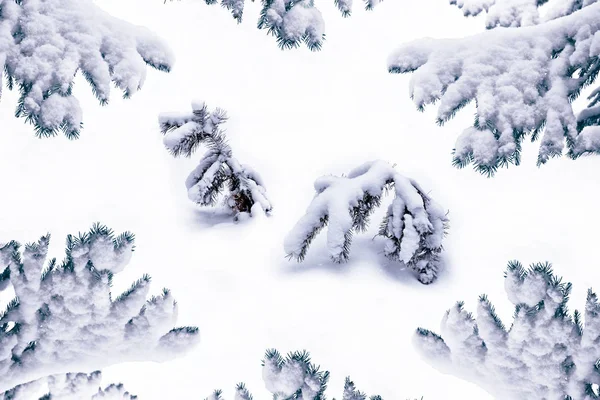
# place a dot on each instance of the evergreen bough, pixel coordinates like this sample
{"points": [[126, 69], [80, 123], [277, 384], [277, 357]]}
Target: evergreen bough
{"points": [[64, 318], [413, 227], [523, 80], [547, 353], [294, 377], [218, 171], [292, 22], [69, 387], [44, 43]]}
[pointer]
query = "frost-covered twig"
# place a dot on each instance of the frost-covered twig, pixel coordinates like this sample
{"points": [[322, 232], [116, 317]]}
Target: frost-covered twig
{"points": [[292, 22], [545, 354], [413, 227], [294, 377], [44, 43], [218, 169], [64, 319], [523, 81]]}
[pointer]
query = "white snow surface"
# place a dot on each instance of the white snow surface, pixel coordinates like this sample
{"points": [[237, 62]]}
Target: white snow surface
{"points": [[302, 115]]}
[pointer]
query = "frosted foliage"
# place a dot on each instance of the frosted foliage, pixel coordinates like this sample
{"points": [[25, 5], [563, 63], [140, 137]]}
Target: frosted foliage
{"points": [[71, 386], [523, 81], [217, 169], [83, 386], [294, 377], [292, 22], [516, 13], [44, 43], [413, 227], [545, 354], [64, 318]]}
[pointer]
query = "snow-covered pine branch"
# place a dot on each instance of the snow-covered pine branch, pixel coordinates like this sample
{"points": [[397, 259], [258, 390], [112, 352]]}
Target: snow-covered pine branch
{"points": [[294, 377], [71, 386], [545, 354], [517, 13], [414, 225], [217, 170], [44, 43], [523, 81], [292, 22], [64, 319]]}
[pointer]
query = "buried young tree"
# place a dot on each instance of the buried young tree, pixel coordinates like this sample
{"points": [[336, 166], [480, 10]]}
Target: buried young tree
{"points": [[545, 354], [64, 319], [218, 169], [292, 22], [294, 377], [44, 43], [522, 79], [413, 227]]}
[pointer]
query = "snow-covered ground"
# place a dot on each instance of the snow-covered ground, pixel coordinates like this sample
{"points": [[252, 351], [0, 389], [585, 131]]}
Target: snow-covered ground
{"points": [[295, 115]]}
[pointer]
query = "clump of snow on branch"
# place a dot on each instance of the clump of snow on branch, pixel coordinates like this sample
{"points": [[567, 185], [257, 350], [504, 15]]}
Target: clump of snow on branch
{"points": [[44, 43], [517, 13], [413, 227], [71, 386], [546, 353], [65, 319], [292, 22], [294, 377], [523, 81], [217, 170]]}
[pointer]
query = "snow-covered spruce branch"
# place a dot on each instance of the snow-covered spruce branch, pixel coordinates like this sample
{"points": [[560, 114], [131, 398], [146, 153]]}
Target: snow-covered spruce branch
{"points": [[517, 13], [68, 387], [414, 225], [545, 354], [218, 169], [64, 319], [523, 81], [44, 43], [292, 22], [294, 377]]}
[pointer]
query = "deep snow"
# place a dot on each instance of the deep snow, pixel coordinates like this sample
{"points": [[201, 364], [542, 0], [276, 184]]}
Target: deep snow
{"points": [[294, 116]]}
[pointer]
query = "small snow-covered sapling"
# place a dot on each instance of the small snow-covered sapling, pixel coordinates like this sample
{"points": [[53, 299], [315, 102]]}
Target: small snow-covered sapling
{"points": [[44, 43], [218, 170], [294, 377], [413, 227], [522, 80], [546, 353], [64, 319], [292, 22]]}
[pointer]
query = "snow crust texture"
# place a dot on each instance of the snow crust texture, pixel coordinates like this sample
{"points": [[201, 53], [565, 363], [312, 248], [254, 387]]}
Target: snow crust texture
{"points": [[217, 169], [522, 79], [545, 354], [294, 377], [44, 43], [292, 22], [413, 227], [64, 318]]}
